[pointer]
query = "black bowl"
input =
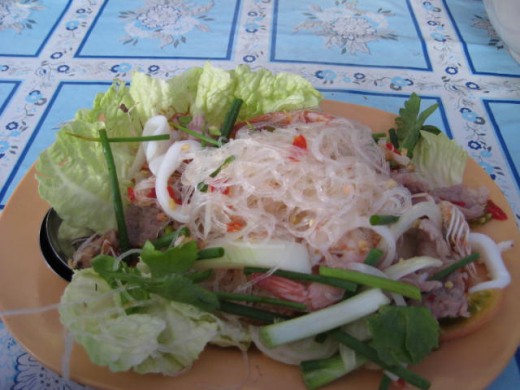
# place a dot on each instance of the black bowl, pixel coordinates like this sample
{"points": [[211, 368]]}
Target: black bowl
{"points": [[51, 248]]}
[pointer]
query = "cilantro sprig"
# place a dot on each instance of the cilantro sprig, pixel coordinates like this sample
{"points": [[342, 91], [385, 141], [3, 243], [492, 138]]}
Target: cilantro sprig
{"points": [[410, 122]]}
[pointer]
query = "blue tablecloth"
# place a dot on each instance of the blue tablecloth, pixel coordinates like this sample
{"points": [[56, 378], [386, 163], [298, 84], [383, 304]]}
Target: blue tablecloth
{"points": [[55, 55]]}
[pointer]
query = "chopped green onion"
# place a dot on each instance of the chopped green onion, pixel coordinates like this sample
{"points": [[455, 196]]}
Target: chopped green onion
{"points": [[116, 192], [383, 219], [331, 317], [304, 277], [250, 312], [385, 383], [320, 372], [210, 253], [444, 273], [386, 284], [373, 256], [228, 296], [203, 187], [197, 135], [378, 136], [231, 118], [370, 353], [167, 239], [144, 138]]}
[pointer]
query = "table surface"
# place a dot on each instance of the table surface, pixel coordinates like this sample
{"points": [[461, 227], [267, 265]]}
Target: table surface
{"points": [[56, 55]]}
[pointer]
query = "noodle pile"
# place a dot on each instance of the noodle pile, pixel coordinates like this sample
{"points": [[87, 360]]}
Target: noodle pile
{"points": [[274, 189]]}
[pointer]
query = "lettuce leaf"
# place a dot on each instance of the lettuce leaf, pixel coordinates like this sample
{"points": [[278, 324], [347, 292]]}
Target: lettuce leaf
{"points": [[161, 337], [439, 160], [72, 173], [261, 92]]}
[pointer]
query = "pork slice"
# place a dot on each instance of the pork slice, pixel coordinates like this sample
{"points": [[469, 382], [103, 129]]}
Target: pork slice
{"points": [[449, 300], [411, 180], [470, 200], [144, 223]]}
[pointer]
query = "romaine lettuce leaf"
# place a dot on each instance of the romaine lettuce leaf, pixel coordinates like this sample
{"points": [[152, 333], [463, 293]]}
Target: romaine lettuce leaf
{"points": [[439, 160]]}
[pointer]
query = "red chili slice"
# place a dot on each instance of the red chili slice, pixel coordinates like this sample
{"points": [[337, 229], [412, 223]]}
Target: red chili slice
{"points": [[300, 142], [495, 211], [130, 194]]}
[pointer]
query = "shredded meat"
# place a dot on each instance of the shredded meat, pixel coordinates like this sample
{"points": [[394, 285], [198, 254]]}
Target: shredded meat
{"points": [[144, 223], [105, 244]]}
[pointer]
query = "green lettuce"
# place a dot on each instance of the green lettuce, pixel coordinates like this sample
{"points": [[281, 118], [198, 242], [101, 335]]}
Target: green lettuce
{"points": [[439, 160], [162, 336], [72, 173]]}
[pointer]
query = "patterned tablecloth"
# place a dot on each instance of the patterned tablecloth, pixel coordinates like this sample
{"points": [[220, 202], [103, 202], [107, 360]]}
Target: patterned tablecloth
{"points": [[55, 55]]}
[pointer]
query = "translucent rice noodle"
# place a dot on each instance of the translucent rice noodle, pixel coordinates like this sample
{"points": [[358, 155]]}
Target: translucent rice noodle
{"points": [[274, 189]]}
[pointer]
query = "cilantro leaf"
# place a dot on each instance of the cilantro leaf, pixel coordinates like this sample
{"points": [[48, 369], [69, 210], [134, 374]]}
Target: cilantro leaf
{"points": [[173, 260], [176, 287], [411, 121], [403, 334]]}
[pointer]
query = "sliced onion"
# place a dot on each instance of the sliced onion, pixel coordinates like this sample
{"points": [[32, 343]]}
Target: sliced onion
{"points": [[172, 160], [405, 267], [297, 351], [419, 210], [490, 255], [387, 244], [278, 254]]}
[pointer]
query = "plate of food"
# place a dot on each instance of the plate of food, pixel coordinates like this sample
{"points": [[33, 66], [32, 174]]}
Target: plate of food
{"points": [[236, 236]]}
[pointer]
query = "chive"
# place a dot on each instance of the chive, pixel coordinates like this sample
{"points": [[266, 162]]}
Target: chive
{"points": [[370, 353], [144, 138], [231, 118], [250, 312], [203, 187], [390, 285], [444, 273], [383, 219], [197, 135], [304, 277], [393, 138], [167, 239], [210, 253], [226, 162], [385, 383], [373, 256], [116, 192], [378, 136], [228, 296]]}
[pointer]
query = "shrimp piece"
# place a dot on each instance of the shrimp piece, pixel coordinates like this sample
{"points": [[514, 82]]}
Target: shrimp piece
{"points": [[314, 295]]}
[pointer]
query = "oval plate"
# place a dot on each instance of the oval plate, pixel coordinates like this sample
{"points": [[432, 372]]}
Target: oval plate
{"points": [[25, 281]]}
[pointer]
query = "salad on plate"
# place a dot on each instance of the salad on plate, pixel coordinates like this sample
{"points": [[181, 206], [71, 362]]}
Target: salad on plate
{"points": [[226, 208]]}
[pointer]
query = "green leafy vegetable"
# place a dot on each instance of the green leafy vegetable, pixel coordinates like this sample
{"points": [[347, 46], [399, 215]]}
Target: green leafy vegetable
{"points": [[439, 160], [152, 340], [403, 334], [169, 276], [410, 122]]}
